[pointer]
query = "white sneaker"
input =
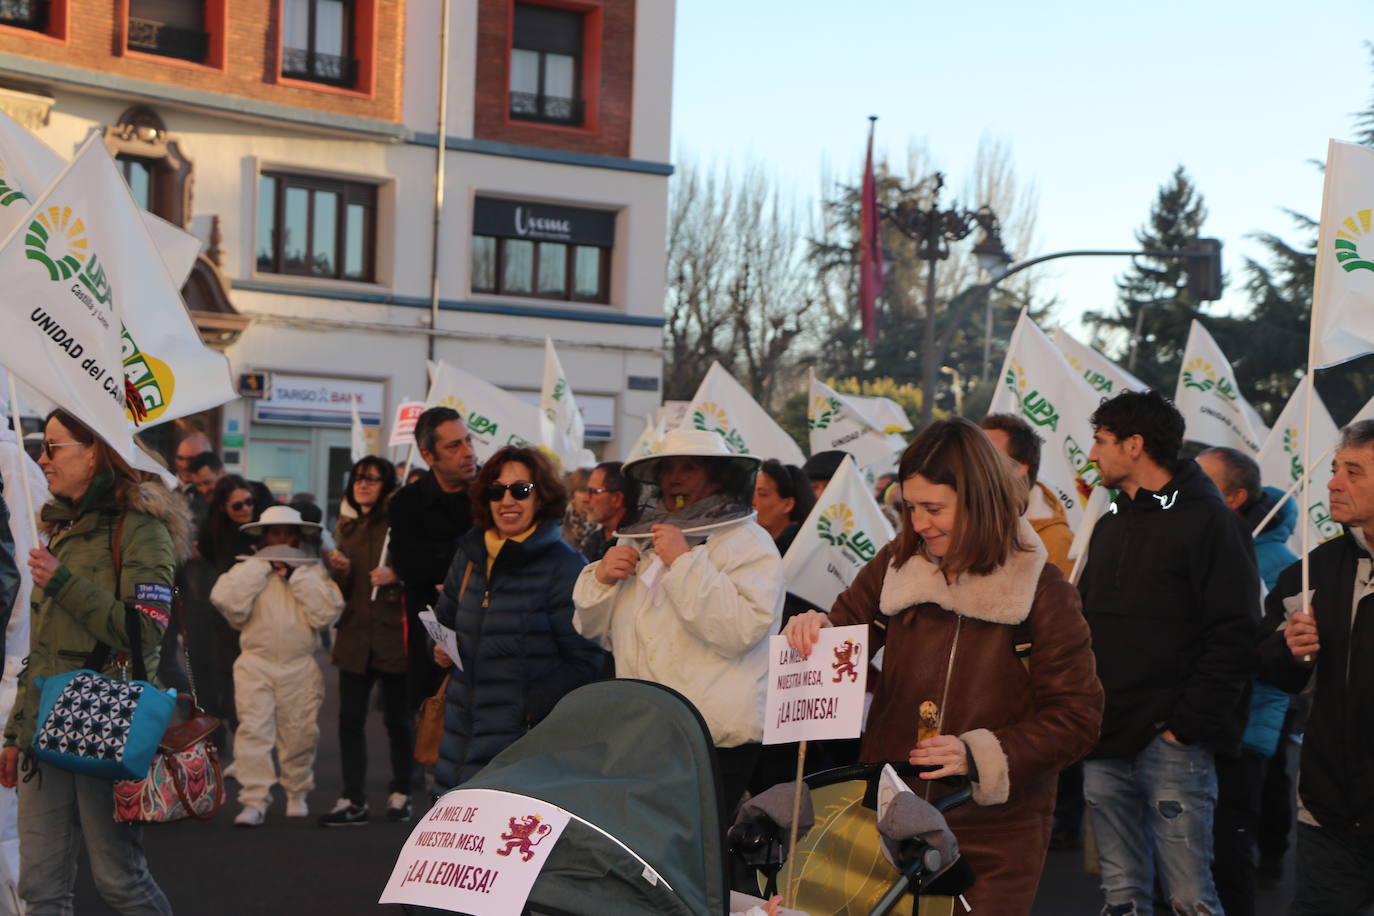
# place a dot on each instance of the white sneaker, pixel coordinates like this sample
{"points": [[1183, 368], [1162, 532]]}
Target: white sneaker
{"points": [[296, 806], [249, 817]]}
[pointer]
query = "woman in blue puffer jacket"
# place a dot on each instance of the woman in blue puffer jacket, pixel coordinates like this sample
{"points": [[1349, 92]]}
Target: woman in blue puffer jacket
{"points": [[508, 597]]}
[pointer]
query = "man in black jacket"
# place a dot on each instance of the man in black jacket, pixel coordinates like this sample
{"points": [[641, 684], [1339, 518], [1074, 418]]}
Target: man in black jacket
{"points": [[1334, 636], [1171, 593], [427, 519]]}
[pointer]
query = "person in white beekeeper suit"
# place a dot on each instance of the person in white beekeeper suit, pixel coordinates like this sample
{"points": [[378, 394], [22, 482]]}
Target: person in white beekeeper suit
{"points": [[277, 598], [16, 638], [690, 593]]}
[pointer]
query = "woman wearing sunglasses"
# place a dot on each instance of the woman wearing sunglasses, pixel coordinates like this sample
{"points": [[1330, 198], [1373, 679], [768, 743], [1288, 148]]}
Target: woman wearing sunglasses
{"points": [[87, 616], [508, 596], [369, 645]]}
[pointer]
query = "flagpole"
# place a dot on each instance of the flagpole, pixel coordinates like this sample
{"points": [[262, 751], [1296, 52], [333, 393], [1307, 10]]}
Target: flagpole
{"points": [[23, 458], [1289, 495]]}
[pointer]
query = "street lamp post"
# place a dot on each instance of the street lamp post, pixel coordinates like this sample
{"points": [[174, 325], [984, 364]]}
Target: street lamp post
{"points": [[933, 230]]}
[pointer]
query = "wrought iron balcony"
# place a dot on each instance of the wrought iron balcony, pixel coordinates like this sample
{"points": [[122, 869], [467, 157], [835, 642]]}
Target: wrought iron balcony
{"points": [[155, 37], [25, 14], [300, 64], [551, 109]]}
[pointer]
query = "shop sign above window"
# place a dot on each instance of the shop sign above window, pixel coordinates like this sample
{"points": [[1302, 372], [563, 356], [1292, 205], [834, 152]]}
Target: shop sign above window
{"points": [[309, 400], [515, 219]]}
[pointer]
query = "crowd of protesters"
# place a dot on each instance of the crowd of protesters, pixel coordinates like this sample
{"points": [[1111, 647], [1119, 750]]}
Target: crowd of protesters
{"points": [[1147, 695]]}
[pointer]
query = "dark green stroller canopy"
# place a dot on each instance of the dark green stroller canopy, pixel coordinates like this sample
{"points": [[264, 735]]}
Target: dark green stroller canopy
{"points": [[634, 764]]}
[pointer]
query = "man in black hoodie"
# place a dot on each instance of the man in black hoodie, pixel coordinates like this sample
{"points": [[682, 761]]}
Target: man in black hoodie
{"points": [[1334, 637], [1171, 593]]}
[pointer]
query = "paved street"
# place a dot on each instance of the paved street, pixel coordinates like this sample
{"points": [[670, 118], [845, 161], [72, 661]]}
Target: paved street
{"points": [[293, 866]]}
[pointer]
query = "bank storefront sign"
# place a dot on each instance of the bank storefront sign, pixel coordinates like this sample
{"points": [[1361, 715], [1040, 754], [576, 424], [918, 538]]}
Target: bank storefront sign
{"points": [[312, 400], [518, 219]]}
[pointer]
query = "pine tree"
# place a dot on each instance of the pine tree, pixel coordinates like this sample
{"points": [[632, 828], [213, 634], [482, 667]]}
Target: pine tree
{"points": [[1154, 310]]}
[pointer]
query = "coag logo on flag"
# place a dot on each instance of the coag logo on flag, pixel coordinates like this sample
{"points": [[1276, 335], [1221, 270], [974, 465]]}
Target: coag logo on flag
{"points": [[8, 192], [836, 526], [1034, 405], [151, 379], [1085, 473], [712, 418], [821, 411], [57, 240], [1347, 243]]}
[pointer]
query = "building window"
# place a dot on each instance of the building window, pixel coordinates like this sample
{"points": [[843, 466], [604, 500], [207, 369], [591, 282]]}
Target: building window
{"points": [[546, 65], [316, 227], [172, 28], [317, 42], [528, 249], [142, 179], [25, 14], [159, 175]]}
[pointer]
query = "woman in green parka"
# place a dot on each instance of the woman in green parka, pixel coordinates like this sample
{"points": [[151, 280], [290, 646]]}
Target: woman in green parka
{"points": [[77, 606], [370, 646]]}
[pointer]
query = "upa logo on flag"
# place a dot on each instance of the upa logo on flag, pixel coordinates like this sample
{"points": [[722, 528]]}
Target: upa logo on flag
{"points": [[152, 380], [1034, 405], [1290, 446], [8, 192], [1199, 374], [1347, 243], [477, 424], [821, 411], [57, 240], [560, 388], [836, 526], [1097, 380], [712, 418]]}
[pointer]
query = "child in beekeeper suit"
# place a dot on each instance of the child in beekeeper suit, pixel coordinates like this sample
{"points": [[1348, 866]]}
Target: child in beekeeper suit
{"points": [[277, 598]]}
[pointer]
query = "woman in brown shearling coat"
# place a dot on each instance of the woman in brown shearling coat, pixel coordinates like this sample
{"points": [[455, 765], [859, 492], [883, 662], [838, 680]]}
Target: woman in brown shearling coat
{"points": [[964, 582]]}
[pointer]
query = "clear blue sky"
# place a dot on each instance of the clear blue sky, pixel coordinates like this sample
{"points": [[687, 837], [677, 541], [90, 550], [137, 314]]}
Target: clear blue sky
{"points": [[1098, 102]]}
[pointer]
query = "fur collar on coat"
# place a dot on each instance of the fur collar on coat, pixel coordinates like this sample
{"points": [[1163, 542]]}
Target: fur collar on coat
{"points": [[151, 497], [1002, 596]]}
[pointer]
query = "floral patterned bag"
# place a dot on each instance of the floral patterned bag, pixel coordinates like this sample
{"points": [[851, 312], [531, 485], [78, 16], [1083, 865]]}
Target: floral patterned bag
{"points": [[183, 781]]}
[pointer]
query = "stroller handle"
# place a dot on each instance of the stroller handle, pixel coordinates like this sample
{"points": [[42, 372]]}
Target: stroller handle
{"points": [[870, 771]]}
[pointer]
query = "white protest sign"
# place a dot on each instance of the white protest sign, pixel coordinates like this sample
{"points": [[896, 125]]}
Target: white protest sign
{"points": [[810, 699], [442, 636], [403, 428], [477, 851]]}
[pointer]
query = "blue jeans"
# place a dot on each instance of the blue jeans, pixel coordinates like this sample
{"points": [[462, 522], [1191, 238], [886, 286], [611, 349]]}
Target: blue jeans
{"points": [[57, 810], [1154, 809]]}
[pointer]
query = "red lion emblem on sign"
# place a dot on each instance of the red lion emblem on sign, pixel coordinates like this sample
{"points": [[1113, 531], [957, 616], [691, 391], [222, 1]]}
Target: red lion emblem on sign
{"points": [[845, 655], [522, 836]]}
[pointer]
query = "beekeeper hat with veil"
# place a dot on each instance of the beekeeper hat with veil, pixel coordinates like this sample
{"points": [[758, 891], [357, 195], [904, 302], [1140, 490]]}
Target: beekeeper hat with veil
{"points": [[697, 506]]}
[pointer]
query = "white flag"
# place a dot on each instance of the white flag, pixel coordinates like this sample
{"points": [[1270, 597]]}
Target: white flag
{"points": [[28, 166], [648, 441], [1343, 294], [1038, 384], [1280, 461], [563, 426], [1101, 374], [844, 531], [1210, 400], [357, 445], [70, 268], [173, 371], [721, 405], [495, 418], [836, 422], [883, 411]]}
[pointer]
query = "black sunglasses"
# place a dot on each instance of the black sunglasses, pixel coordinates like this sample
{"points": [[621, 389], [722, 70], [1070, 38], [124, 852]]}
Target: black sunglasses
{"points": [[369, 478], [241, 504], [521, 489]]}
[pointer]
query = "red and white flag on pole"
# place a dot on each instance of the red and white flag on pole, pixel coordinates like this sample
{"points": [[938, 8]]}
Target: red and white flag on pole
{"points": [[870, 244]]}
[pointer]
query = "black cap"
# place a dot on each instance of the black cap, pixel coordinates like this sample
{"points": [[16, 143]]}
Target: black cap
{"points": [[823, 465]]}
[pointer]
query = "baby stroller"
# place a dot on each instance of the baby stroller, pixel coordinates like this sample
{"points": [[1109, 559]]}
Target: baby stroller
{"points": [[634, 765]]}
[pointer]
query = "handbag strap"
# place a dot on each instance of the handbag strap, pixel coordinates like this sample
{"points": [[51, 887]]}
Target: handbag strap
{"points": [[212, 757], [101, 653]]}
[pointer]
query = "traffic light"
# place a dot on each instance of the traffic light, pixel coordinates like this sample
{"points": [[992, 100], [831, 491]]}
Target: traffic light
{"points": [[1204, 270]]}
